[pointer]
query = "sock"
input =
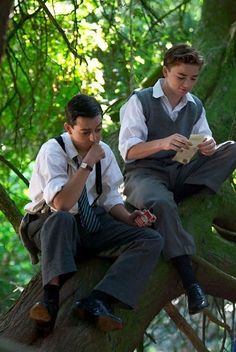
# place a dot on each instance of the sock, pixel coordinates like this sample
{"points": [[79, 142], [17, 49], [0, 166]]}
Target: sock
{"points": [[184, 267], [102, 296], [51, 294], [186, 190], [63, 278]]}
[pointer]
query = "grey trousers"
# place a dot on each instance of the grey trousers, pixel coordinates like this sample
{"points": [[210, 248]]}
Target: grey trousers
{"points": [[61, 240], [153, 186]]}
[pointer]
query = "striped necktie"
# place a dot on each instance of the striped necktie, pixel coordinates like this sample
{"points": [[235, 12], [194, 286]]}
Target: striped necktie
{"points": [[88, 218]]}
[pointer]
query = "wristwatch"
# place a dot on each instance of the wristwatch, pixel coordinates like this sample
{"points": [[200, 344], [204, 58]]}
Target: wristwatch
{"points": [[86, 166]]}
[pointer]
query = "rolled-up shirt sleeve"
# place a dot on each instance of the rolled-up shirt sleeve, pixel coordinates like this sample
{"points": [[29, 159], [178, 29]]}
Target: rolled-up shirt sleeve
{"points": [[52, 166], [133, 126]]}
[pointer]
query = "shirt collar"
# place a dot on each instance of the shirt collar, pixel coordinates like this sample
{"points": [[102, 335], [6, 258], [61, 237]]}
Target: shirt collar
{"points": [[158, 92]]}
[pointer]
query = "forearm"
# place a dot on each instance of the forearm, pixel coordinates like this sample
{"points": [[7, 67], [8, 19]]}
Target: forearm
{"points": [[120, 213], [71, 192], [173, 142], [145, 149]]}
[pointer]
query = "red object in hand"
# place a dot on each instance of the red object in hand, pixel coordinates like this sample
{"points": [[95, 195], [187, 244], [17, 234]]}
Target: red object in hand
{"points": [[146, 218]]}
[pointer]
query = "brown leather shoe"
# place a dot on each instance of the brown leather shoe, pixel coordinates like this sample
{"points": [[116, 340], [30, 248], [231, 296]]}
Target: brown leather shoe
{"points": [[97, 312], [43, 312]]}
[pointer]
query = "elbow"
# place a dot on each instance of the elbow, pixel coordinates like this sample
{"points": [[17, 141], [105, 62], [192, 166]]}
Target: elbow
{"points": [[59, 205], [135, 151], [129, 155], [62, 208]]}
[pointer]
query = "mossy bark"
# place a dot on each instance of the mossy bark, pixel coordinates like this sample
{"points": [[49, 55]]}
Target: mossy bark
{"points": [[216, 39], [215, 262], [215, 266]]}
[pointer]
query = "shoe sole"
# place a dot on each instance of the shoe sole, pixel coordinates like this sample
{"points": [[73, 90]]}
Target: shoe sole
{"points": [[40, 314], [102, 322], [192, 312], [106, 324]]}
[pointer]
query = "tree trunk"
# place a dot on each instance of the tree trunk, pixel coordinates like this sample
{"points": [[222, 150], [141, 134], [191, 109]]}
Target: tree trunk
{"points": [[216, 272], [6, 6], [215, 262], [216, 87]]}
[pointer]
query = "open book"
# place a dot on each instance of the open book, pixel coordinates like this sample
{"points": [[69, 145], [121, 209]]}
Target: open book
{"points": [[186, 155]]}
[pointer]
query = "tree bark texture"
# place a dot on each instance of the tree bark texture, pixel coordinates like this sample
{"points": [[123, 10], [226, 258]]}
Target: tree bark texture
{"points": [[215, 263], [6, 6], [215, 268], [216, 39]]}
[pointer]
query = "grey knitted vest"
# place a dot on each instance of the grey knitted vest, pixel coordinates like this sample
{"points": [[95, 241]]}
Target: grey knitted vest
{"points": [[160, 125]]}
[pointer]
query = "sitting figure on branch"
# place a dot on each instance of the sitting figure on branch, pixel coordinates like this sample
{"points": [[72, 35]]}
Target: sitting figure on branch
{"points": [[76, 211], [170, 154]]}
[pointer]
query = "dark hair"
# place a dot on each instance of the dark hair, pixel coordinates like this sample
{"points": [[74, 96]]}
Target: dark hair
{"points": [[182, 53], [82, 105]]}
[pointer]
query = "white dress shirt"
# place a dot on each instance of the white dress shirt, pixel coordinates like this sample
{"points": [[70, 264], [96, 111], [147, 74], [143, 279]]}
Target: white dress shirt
{"points": [[133, 122], [53, 168]]}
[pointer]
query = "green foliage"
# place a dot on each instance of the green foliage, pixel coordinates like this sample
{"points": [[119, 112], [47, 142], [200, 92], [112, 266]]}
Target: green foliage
{"points": [[16, 269], [98, 47], [101, 47]]}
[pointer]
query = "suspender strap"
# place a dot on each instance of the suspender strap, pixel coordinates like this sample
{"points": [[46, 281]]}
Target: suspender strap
{"points": [[60, 141], [98, 178]]}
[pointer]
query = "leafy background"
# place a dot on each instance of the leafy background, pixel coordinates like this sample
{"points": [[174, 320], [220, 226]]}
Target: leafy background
{"points": [[54, 49]]}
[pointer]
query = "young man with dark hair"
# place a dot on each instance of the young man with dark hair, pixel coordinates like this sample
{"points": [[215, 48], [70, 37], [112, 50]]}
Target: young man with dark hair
{"points": [[156, 128], [68, 215]]}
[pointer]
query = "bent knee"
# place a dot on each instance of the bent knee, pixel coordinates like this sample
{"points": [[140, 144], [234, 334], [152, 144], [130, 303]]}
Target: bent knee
{"points": [[61, 216], [154, 236], [233, 149], [228, 148], [59, 220], [162, 205]]}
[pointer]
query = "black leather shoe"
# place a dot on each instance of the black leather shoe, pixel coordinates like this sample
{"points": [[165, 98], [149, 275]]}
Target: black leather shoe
{"points": [[44, 312], [98, 312], [197, 300]]}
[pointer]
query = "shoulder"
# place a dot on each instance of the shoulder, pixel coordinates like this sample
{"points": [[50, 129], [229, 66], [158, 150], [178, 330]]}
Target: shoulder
{"points": [[51, 153], [50, 146], [146, 98], [144, 92], [196, 99], [138, 95]]}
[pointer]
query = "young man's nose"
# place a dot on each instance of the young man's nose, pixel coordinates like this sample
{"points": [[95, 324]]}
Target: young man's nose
{"points": [[93, 137], [187, 84]]}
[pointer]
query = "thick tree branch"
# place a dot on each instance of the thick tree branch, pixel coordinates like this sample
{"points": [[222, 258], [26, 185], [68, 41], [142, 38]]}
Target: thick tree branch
{"points": [[13, 168], [183, 326], [216, 281], [9, 209], [216, 321], [6, 6], [163, 288], [229, 235], [10, 346]]}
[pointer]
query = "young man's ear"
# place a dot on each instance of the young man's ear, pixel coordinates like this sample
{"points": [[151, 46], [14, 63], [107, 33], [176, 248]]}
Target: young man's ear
{"points": [[164, 71], [68, 128]]}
